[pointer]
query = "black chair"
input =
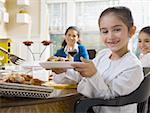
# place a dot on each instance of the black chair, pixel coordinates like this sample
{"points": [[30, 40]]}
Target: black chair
{"points": [[140, 95], [92, 53]]}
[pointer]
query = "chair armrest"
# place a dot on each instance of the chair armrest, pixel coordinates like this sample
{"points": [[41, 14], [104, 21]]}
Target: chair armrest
{"points": [[84, 103], [141, 94]]}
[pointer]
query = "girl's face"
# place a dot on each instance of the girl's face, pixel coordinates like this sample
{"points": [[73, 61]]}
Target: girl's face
{"points": [[144, 43], [71, 37], [114, 33]]}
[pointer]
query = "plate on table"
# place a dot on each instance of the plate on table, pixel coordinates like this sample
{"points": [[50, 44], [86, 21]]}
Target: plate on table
{"points": [[49, 65]]}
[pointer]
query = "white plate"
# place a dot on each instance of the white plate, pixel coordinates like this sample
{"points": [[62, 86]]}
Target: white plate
{"points": [[49, 65]]}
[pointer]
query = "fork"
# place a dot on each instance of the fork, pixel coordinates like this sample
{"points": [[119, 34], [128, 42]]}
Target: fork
{"points": [[13, 58]]}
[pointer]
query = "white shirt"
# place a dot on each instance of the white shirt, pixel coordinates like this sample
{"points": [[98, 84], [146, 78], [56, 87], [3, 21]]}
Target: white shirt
{"points": [[145, 60], [66, 49], [113, 78]]}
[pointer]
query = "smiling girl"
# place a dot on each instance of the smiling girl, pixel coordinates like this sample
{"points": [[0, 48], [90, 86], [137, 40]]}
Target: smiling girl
{"points": [[72, 43], [115, 71]]}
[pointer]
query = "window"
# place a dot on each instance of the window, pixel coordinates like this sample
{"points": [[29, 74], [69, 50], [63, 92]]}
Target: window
{"points": [[57, 17], [85, 13], [140, 11], [76, 12]]}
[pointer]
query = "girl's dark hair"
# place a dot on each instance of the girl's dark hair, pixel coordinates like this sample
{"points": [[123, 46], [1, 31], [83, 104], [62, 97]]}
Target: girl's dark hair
{"points": [[78, 33], [123, 13], [146, 30]]}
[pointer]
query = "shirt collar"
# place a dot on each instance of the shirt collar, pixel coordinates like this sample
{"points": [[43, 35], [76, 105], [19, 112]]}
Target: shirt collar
{"points": [[75, 47]]}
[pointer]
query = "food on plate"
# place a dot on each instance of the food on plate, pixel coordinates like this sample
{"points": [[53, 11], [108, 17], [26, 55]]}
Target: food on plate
{"points": [[57, 59], [21, 79], [26, 77], [46, 42], [36, 82], [50, 77], [14, 78]]}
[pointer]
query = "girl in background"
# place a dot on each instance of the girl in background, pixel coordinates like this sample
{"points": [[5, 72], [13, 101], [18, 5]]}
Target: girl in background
{"points": [[144, 46], [72, 43]]}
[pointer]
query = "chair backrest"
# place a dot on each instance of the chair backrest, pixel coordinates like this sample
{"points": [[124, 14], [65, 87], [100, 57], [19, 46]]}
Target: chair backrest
{"points": [[146, 70], [92, 53], [141, 93]]}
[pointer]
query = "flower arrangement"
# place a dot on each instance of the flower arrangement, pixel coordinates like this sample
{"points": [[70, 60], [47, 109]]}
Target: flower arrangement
{"points": [[27, 43], [44, 43]]}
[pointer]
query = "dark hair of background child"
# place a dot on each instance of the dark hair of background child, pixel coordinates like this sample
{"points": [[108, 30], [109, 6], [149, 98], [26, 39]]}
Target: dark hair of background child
{"points": [[146, 30]]}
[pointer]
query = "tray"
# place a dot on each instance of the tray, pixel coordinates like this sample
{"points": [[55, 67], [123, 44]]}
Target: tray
{"points": [[22, 90]]}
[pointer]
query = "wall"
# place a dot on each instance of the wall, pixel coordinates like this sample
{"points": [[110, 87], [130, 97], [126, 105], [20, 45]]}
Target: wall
{"points": [[16, 30], [19, 32], [3, 32]]}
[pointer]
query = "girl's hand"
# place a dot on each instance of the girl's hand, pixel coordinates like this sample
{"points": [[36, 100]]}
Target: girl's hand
{"points": [[86, 69], [58, 70]]}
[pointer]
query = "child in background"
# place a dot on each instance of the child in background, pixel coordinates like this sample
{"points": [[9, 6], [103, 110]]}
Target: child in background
{"points": [[72, 43], [144, 46], [115, 71]]}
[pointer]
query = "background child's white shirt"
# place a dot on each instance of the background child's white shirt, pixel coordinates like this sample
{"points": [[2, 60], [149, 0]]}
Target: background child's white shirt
{"points": [[66, 49], [145, 60], [110, 81]]}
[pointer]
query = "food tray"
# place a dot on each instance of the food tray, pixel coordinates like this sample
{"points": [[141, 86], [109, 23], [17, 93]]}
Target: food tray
{"points": [[22, 90]]}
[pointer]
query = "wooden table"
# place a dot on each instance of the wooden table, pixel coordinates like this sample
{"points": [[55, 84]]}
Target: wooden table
{"points": [[62, 101]]}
